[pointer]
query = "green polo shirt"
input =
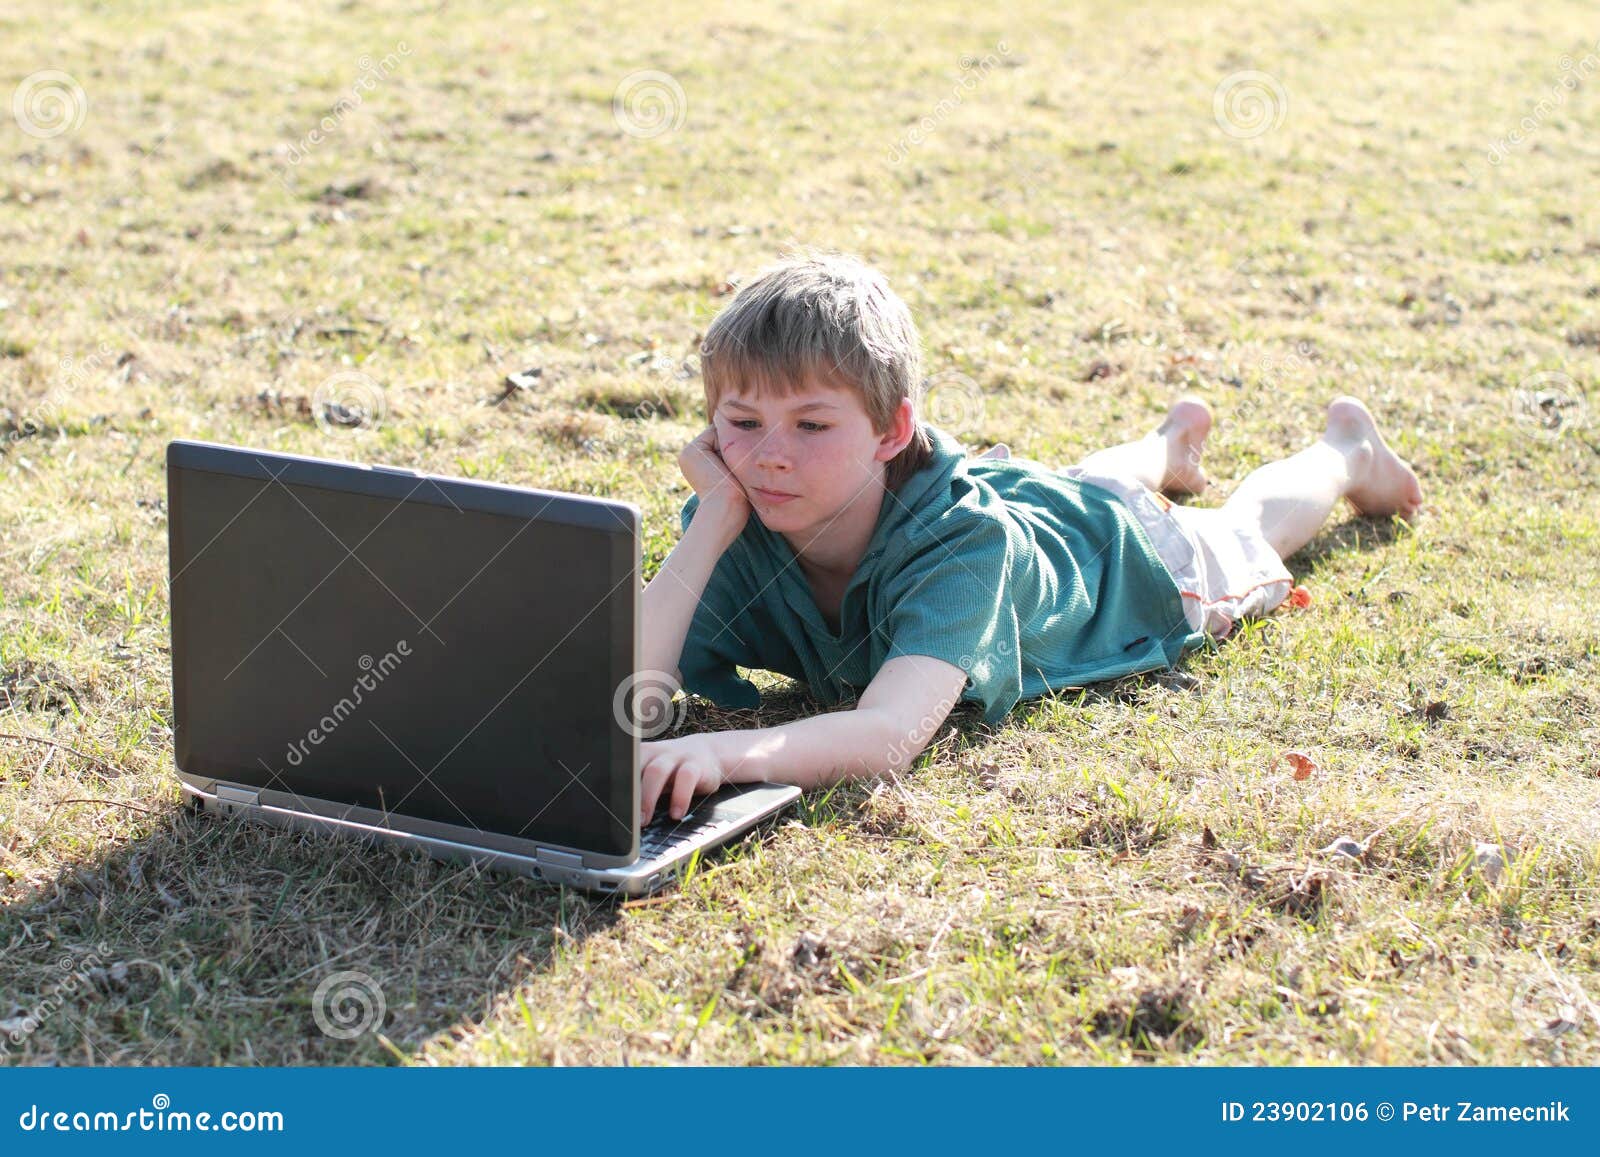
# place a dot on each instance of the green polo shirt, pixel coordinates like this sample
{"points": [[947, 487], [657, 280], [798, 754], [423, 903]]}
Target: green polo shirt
{"points": [[1027, 580]]}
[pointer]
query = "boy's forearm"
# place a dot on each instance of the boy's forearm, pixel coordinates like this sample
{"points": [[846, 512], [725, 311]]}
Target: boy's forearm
{"points": [[668, 604], [818, 751]]}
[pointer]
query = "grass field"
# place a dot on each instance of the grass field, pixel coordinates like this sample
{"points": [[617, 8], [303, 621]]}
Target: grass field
{"points": [[258, 224]]}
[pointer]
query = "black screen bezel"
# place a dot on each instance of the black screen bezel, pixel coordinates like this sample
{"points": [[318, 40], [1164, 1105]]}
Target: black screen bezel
{"points": [[619, 521]]}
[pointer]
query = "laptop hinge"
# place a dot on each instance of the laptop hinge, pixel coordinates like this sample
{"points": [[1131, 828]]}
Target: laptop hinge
{"points": [[558, 859], [227, 793]]}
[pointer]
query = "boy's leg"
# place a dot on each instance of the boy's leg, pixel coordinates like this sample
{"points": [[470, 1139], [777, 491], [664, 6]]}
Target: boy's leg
{"points": [[1291, 499], [1168, 458]]}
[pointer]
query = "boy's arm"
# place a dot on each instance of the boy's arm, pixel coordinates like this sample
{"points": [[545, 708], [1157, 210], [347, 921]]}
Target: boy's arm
{"points": [[888, 728], [668, 604]]}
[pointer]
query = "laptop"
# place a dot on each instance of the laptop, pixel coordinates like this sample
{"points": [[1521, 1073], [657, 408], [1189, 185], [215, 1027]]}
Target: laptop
{"points": [[421, 661]]}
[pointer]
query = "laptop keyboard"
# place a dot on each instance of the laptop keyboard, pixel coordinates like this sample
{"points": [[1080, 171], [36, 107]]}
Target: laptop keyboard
{"points": [[665, 833]]}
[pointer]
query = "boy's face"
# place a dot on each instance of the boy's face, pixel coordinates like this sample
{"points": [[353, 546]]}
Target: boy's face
{"points": [[817, 445]]}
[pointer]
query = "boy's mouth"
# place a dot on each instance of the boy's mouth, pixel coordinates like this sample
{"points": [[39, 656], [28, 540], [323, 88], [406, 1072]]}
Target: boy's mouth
{"points": [[776, 497]]}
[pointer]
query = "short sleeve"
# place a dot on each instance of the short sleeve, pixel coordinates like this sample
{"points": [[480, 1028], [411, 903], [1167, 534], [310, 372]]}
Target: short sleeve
{"points": [[720, 637], [951, 598]]}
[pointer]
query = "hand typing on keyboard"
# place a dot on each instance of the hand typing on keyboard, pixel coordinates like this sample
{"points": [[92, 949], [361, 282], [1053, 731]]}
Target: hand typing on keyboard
{"points": [[674, 771]]}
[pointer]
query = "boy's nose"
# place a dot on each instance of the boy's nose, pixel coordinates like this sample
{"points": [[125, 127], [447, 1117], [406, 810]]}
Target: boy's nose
{"points": [[773, 454]]}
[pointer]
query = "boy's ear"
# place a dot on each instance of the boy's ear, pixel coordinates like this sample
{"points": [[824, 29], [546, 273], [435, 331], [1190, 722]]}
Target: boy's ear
{"points": [[899, 434]]}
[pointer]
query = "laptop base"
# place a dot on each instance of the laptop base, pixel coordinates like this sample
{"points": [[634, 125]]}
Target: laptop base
{"points": [[714, 820]]}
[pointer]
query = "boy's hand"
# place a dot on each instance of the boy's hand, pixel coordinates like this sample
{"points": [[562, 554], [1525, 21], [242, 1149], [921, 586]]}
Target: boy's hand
{"points": [[677, 770], [719, 491]]}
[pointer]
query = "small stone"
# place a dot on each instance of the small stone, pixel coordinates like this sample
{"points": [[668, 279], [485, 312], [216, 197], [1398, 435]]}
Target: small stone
{"points": [[1490, 860], [1345, 846]]}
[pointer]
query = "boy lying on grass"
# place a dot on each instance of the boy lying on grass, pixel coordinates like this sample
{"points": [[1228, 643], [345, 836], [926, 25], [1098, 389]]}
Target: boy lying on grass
{"points": [[883, 566]]}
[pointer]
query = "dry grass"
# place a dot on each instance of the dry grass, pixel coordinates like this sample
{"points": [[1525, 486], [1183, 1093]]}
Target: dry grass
{"points": [[1127, 874]]}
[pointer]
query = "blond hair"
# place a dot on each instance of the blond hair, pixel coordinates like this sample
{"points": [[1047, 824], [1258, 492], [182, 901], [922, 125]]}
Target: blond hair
{"points": [[828, 317]]}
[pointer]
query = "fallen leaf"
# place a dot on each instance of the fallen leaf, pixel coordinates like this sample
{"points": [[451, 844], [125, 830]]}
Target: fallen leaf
{"points": [[1302, 763], [1429, 713]]}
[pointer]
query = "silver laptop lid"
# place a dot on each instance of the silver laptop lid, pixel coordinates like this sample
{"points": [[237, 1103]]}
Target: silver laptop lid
{"points": [[431, 649]]}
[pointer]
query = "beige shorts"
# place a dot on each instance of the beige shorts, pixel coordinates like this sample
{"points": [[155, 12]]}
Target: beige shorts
{"points": [[1224, 570]]}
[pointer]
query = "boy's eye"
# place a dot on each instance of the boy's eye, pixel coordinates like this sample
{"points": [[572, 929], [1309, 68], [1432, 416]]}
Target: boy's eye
{"points": [[750, 424]]}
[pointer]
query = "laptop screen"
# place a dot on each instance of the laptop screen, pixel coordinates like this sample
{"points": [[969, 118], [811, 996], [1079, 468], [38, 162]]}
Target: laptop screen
{"points": [[421, 647]]}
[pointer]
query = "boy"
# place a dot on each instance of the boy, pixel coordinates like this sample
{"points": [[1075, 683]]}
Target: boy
{"points": [[834, 538]]}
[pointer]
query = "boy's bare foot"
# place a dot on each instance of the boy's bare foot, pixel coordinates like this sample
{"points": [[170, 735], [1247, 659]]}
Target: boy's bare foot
{"points": [[1184, 430], [1385, 484]]}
